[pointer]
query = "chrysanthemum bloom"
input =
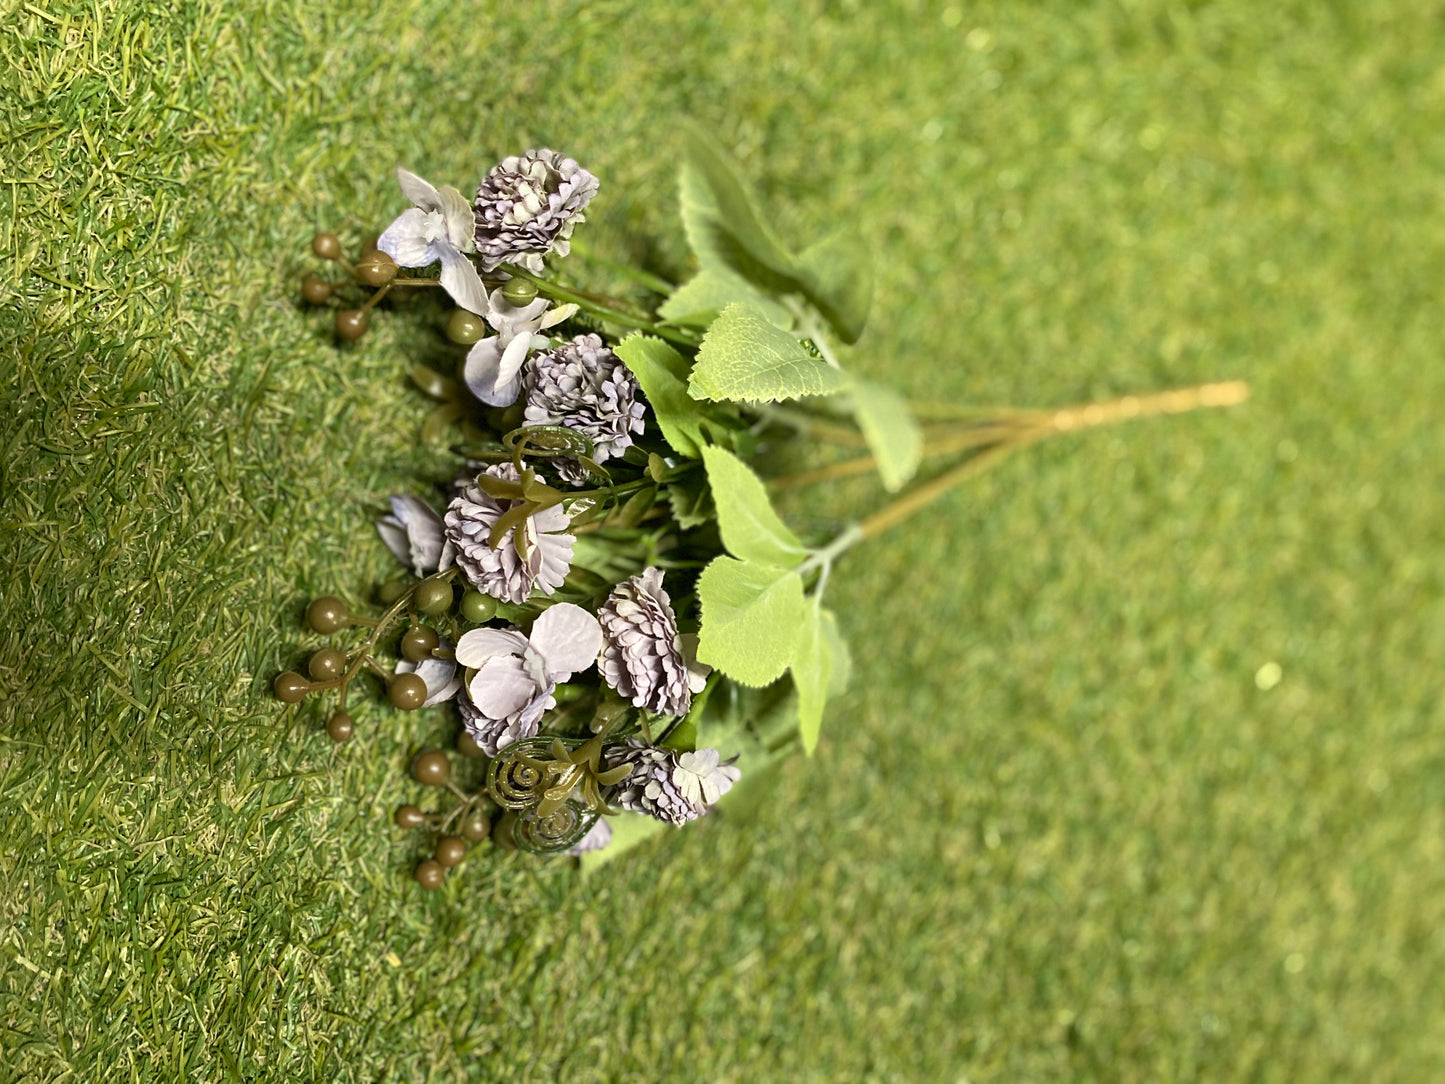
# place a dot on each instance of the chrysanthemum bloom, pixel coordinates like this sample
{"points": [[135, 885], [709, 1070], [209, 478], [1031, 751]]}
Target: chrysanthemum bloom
{"points": [[493, 371], [440, 675], [439, 228], [584, 386], [527, 208], [643, 657], [503, 572], [415, 533], [670, 786], [516, 674]]}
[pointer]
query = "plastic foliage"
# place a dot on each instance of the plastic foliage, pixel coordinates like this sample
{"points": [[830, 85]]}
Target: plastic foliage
{"points": [[607, 598]]}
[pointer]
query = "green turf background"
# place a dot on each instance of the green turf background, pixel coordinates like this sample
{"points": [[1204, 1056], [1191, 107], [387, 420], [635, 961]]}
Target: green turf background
{"points": [[1056, 830]]}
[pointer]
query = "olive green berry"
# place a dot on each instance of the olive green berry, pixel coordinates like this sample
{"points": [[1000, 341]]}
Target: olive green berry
{"points": [[430, 874], [290, 687], [431, 767], [519, 292], [339, 727], [433, 597], [350, 324], [477, 607], [327, 246], [451, 850], [327, 614], [406, 692], [418, 642], [464, 328]]}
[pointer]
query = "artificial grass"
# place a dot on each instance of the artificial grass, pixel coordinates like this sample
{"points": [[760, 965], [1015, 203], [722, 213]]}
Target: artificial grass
{"points": [[1065, 824]]}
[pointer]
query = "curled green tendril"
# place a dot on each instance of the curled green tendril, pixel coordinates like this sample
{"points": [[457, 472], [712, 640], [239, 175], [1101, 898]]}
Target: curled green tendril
{"points": [[552, 442]]}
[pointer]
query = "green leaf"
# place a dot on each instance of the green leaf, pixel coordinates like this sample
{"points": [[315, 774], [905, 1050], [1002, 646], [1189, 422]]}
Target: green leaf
{"points": [[722, 224], [750, 619], [837, 277], [662, 373], [729, 236], [691, 501], [812, 673], [893, 436], [698, 300], [745, 356], [842, 657], [750, 529], [628, 830]]}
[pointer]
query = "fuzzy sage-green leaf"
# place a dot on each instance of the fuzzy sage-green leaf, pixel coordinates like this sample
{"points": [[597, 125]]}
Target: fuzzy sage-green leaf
{"points": [[812, 670], [751, 615], [750, 529], [892, 434], [662, 373], [837, 278], [698, 300], [746, 357], [722, 223]]}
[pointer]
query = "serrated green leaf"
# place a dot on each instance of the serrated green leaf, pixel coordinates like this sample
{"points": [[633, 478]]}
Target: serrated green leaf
{"points": [[842, 657], [745, 356], [750, 529], [750, 619], [628, 830], [691, 501], [892, 434], [730, 238], [662, 373], [722, 223], [698, 300], [837, 277], [812, 670]]}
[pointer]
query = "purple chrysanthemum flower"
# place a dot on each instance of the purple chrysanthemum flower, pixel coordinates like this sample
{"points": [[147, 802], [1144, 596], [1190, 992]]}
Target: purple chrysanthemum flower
{"points": [[670, 786], [643, 657], [527, 208], [503, 572], [584, 386]]}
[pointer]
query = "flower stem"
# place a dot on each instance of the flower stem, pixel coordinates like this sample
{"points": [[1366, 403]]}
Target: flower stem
{"points": [[890, 515], [599, 308], [1008, 434], [652, 282]]}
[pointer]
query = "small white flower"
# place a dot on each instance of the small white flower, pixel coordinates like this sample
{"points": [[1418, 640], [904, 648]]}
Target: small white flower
{"points": [[416, 534], [700, 779], [441, 227], [516, 674], [494, 365]]}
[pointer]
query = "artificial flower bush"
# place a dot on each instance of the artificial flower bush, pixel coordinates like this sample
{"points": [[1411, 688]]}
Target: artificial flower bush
{"points": [[624, 626]]}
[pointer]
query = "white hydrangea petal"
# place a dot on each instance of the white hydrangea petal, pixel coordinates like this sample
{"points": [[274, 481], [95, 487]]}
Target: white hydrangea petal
{"points": [[502, 687], [697, 672], [395, 537], [421, 192], [405, 240], [478, 645], [506, 317], [568, 638], [457, 211], [460, 279], [482, 374], [509, 372], [425, 533]]}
